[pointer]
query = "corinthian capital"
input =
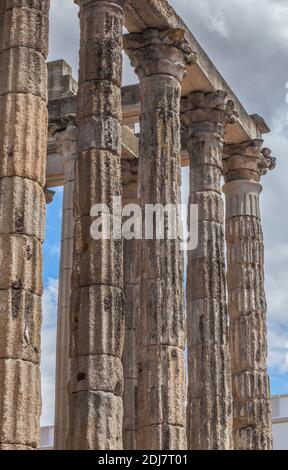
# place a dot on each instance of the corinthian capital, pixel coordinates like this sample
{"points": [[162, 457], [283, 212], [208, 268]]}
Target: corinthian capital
{"points": [[208, 108], [247, 161], [159, 52], [268, 163]]}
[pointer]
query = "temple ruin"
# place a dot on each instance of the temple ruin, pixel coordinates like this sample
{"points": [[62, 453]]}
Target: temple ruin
{"points": [[123, 323]]}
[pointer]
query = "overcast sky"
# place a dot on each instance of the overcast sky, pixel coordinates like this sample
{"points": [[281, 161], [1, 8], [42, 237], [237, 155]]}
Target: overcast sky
{"points": [[248, 42]]}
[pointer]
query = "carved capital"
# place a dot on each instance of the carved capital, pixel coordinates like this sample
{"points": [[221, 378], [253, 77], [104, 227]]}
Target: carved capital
{"points": [[129, 180], [208, 112], [247, 161], [49, 195], [155, 52], [268, 163], [66, 137]]}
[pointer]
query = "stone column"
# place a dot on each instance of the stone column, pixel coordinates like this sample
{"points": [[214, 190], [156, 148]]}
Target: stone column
{"points": [[66, 141], [159, 58], [244, 165], [23, 146], [209, 411], [132, 304], [97, 308]]}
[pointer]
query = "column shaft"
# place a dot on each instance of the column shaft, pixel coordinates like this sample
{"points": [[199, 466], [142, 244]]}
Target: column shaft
{"points": [[160, 64], [246, 298], [209, 411], [23, 146], [97, 307], [132, 304], [67, 148]]}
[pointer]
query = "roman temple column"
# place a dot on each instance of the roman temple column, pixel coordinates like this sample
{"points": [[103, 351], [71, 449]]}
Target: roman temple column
{"points": [[97, 306], [132, 304], [23, 146], [243, 166], [159, 58], [209, 412], [66, 141]]}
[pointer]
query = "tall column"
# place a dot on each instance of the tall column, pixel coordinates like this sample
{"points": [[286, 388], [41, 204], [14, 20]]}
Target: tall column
{"points": [[244, 164], [159, 58], [209, 412], [97, 308], [66, 141], [23, 145], [132, 304]]}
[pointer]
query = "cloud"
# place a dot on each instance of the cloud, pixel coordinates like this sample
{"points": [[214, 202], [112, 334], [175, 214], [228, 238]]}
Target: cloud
{"points": [[48, 355]]}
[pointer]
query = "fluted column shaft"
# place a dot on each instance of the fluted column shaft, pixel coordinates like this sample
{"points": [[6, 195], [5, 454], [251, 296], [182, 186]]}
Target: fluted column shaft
{"points": [[244, 164], [159, 59], [67, 147], [209, 413], [97, 308], [23, 144], [132, 304]]}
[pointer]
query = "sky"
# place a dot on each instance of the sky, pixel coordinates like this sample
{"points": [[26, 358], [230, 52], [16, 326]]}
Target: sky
{"points": [[248, 43]]}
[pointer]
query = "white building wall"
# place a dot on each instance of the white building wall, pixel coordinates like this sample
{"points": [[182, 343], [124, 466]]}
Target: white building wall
{"points": [[280, 421], [47, 438]]}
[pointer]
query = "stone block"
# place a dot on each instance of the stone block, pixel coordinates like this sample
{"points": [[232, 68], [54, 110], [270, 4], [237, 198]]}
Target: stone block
{"points": [[20, 325], [26, 72], [96, 261], [162, 436], [162, 315], [96, 98], [96, 373], [23, 131], [25, 27], [20, 397], [97, 321], [101, 60], [207, 322], [100, 133], [161, 386], [21, 263], [22, 207], [98, 180], [95, 421]]}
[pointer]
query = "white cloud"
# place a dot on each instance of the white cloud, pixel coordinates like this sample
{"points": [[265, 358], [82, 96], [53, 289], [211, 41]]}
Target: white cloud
{"points": [[48, 355]]}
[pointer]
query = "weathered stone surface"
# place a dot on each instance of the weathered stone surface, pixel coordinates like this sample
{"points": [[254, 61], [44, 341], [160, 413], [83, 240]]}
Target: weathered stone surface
{"points": [[209, 411], [23, 131], [100, 409], [96, 415], [90, 99], [158, 368], [246, 294], [164, 437], [40, 5], [22, 207], [99, 372], [99, 171], [25, 27], [20, 317], [26, 72], [21, 262], [96, 262], [20, 403], [101, 133], [206, 322], [159, 59], [95, 333]]}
